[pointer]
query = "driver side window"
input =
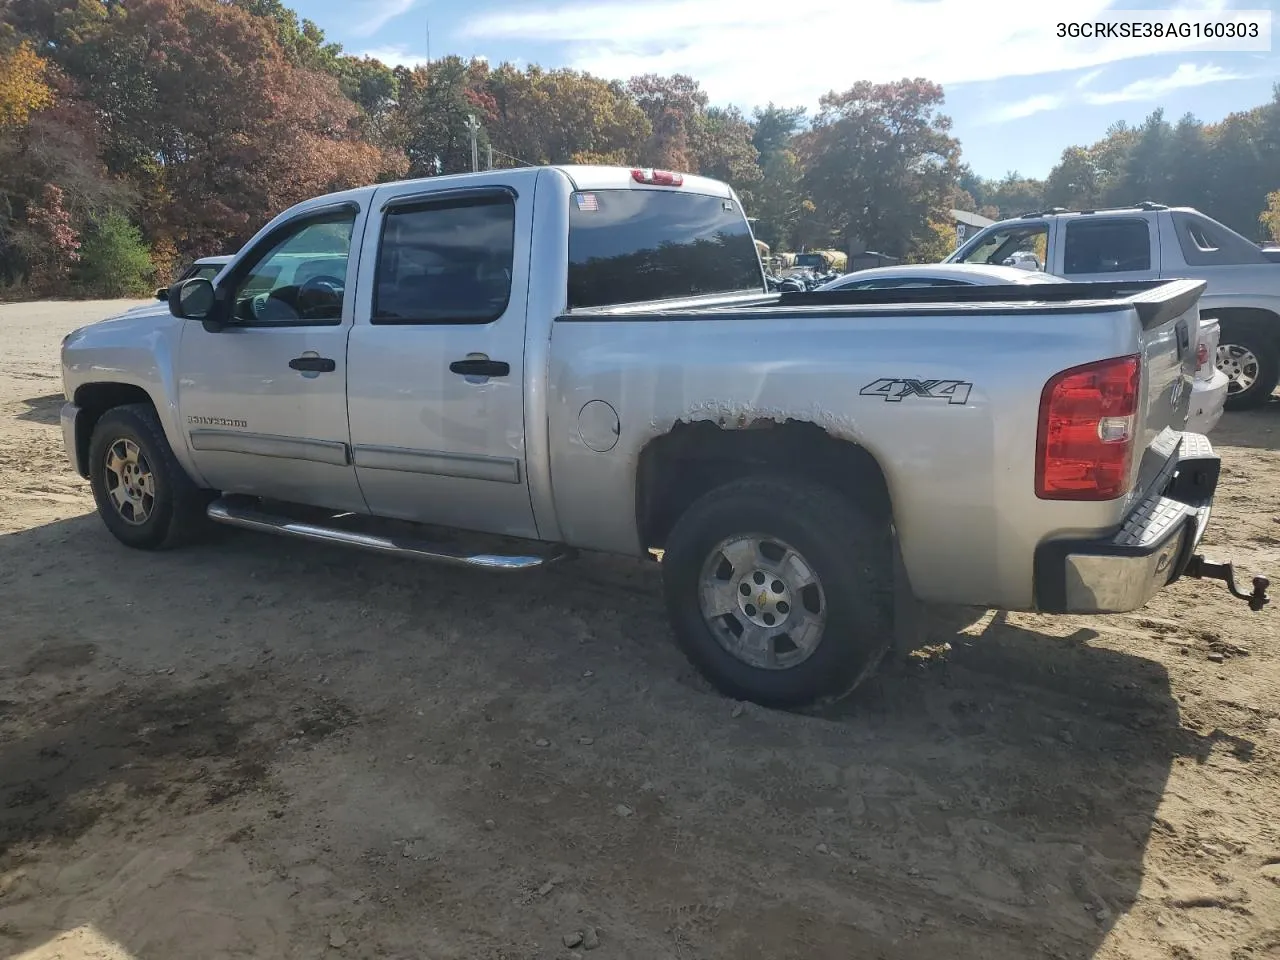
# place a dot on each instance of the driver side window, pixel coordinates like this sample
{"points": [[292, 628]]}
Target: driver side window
{"points": [[300, 280], [1023, 245]]}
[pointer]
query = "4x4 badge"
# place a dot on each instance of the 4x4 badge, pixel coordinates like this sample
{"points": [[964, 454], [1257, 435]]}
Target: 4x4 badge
{"points": [[895, 390]]}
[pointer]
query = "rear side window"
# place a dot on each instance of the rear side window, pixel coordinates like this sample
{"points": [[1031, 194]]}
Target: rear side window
{"points": [[626, 246], [1106, 246], [445, 262], [1206, 242]]}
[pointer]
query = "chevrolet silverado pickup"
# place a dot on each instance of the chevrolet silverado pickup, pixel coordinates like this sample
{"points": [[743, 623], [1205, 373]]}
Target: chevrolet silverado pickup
{"points": [[586, 359], [1151, 241]]}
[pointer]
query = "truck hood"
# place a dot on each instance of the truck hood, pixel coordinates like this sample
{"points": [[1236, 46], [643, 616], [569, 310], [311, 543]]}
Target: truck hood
{"points": [[147, 308], [131, 326]]}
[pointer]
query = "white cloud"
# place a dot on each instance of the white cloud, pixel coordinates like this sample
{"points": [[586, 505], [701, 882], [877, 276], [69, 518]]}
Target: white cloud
{"points": [[1089, 77], [833, 44], [399, 56], [1020, 109], [1149, 88], [379, 14], [395, 56], [1152, 88]]}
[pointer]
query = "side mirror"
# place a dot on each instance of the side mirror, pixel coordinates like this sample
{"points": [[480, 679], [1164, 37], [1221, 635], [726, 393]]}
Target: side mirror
{"points": [[194, 299], [162, 293]]}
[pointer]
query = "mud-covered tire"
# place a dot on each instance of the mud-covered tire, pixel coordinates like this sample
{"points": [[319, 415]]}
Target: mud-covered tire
{"points": [[1244, 343], [175, 513], [846, 551]]}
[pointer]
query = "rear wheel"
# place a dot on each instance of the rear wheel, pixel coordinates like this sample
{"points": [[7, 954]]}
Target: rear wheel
{"points": [[1251, 361], [144, 496], [779, 591]]}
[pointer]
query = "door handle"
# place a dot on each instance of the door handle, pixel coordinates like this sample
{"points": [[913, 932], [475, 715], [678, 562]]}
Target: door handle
{"points": [[313, 364], [480, 368]]}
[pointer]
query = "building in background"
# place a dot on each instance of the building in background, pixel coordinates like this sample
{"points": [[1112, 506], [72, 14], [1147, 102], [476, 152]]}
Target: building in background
{"points": [[967, 224]]}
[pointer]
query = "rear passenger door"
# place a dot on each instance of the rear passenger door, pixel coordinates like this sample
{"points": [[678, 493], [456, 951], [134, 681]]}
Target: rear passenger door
{"points": [[1107, 248], [435, 388]]}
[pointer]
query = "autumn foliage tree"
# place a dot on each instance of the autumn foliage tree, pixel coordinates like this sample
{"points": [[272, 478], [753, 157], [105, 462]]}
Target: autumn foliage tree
{"points": [[878, 161], [196, 121], [1270, 217], [231, 132], [1226, 169], [23, 87]]}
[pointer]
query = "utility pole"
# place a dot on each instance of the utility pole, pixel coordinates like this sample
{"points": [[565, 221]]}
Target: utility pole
{"points": [[473, 128], [488, 155]]}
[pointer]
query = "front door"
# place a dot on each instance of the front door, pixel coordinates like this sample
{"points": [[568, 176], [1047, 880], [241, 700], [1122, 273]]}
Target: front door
{"points": [[436, 359], [263, 401]]}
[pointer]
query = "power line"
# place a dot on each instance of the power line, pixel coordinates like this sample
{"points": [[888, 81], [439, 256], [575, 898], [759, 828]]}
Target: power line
{"points": [[520, 160]]}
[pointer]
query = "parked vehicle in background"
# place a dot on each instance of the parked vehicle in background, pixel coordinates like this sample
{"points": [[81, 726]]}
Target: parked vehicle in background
{"points": [[1148, 241], [1208, 390], [207, 267], [586, 357], [822, 261], [935, 275]]}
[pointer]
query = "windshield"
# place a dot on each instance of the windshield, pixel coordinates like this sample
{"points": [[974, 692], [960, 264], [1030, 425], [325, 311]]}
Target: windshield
{"points": [[628, 246], [1018, 245], [204, 271]]}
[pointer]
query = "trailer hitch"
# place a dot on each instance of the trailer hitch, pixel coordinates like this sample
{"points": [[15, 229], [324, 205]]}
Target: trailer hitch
{"points": [[1199, 568]]}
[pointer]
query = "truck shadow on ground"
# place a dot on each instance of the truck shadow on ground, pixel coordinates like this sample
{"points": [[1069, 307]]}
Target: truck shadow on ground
{"points": [[43, 409], [993, 799]]}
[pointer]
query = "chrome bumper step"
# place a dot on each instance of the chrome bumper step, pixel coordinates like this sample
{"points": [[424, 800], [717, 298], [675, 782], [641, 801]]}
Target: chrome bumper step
{"points": [[248, 513]]}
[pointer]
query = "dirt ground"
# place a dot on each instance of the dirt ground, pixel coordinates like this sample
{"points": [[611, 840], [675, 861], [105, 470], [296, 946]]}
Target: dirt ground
{"points": [[262, 748]]}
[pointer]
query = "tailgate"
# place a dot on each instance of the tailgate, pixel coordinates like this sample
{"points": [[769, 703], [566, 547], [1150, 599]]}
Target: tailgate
{"points": [[1169, 317]]}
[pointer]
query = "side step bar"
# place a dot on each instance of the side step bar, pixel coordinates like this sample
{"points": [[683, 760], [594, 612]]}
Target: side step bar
{"points": [[244, 512]]}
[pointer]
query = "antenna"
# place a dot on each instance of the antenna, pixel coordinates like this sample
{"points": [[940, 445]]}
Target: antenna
{"points": [[428, 45]]}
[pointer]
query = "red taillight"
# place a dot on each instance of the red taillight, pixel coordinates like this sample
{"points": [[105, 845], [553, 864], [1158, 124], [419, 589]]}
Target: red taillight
{"points": [[661, 178], [1084, 447], [1202, 356]]}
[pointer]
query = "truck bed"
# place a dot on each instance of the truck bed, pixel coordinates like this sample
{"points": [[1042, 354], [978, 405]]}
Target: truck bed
{"points": [[963, 369], [1156, 302]]}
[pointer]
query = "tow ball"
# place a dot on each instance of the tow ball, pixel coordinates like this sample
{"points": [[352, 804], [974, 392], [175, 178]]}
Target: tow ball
{"points": [[1200, 568]]}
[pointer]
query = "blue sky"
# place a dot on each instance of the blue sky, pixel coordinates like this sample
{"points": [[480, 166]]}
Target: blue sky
{"points": [[1018, 93]]}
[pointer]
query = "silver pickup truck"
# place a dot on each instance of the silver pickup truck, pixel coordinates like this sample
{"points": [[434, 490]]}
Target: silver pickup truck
{"points": [[585, 358]]}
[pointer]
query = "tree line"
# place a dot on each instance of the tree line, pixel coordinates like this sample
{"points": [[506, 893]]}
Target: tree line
{"points": [[137, 134]]}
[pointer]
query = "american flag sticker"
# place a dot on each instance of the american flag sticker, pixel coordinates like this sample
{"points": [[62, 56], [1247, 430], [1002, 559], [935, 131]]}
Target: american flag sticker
{"points": [[587, 201]]}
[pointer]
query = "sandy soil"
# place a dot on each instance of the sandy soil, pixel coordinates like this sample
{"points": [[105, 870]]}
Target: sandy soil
{"points": [[259, 748]]}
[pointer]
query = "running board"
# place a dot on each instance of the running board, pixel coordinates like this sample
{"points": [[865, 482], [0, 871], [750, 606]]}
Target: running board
{"points": [[245, 513]]}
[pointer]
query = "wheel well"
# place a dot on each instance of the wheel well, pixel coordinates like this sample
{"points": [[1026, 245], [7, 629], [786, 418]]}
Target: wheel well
{"points": [[679, 467], [95, 399], [1256, 318]]}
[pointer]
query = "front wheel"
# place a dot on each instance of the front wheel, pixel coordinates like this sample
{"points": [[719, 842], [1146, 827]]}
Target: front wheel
{"points": [[1251, 361], [144, 496], [780, 591]]}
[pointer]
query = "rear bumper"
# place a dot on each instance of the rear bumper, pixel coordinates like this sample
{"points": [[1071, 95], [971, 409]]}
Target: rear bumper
{"points": [[68, 416], [1207, 400], [1150, 551]]}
